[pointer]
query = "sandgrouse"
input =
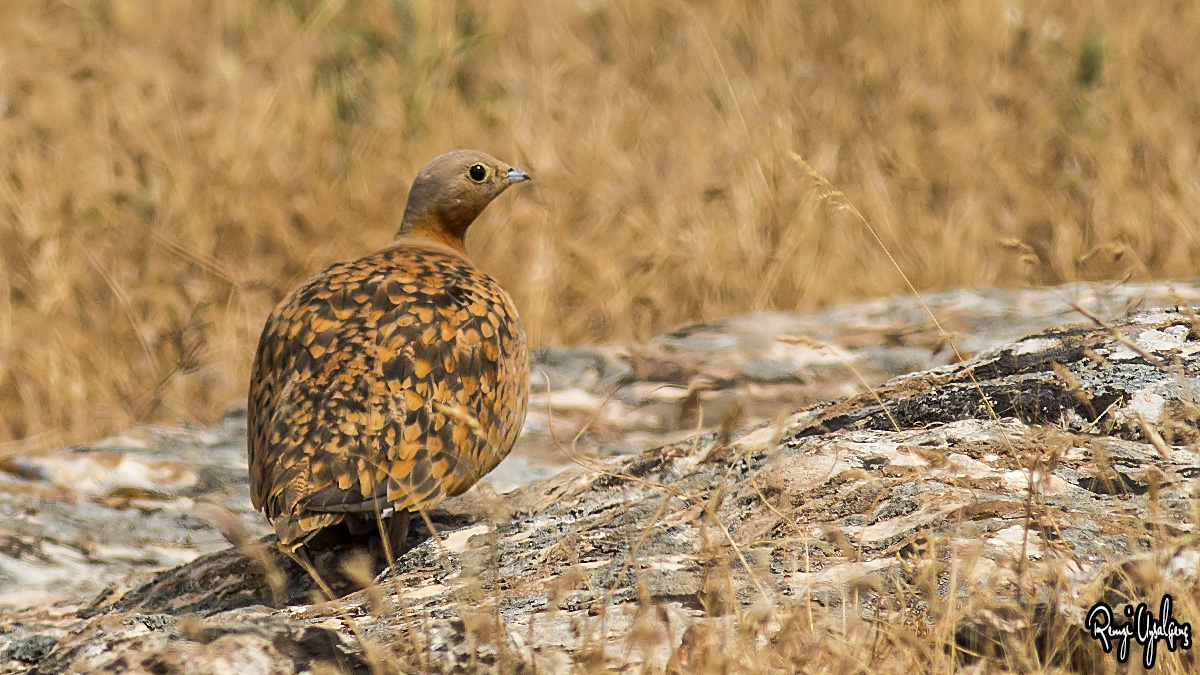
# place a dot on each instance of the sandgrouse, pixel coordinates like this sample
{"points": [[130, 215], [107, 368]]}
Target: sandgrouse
{"points": [[382, 385]]}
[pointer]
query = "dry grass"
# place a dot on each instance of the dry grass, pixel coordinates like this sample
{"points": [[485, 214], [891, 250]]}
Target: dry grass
{"points": [[170, 170]]}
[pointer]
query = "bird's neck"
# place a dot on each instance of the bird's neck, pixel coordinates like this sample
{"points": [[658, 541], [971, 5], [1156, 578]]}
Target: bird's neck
{"points": [[433, 229]]}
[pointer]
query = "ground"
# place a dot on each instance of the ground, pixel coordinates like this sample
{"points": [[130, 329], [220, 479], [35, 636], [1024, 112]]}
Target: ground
{"points": [[962, 511]]}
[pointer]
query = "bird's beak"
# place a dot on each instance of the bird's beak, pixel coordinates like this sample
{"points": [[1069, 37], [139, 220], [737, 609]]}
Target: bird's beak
{"points": [[516, 175]]}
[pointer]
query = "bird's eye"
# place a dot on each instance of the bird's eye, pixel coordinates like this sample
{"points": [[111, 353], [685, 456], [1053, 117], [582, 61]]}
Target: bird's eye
{"points": [[478, 173]]}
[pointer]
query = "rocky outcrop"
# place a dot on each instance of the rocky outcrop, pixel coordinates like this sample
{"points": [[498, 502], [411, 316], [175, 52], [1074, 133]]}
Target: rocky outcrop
{"points": [[967, 513]]}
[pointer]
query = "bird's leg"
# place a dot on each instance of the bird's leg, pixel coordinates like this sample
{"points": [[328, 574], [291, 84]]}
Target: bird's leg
{"points": [[358, 525], [397, 532]]}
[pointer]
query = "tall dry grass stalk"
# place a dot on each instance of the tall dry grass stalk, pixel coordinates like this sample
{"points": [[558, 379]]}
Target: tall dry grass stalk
{"points": [[169, 170]]}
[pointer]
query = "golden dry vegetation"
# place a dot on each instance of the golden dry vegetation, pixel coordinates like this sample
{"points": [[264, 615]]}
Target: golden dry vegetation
{"points": [[170, 169]]}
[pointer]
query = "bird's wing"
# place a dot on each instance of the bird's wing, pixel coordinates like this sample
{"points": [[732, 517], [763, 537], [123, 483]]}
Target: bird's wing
{"points": [[391, 381]]}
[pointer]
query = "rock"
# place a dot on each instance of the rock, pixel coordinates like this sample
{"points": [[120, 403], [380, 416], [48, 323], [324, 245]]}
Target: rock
{"points": [[970, 511], [30, 649]]}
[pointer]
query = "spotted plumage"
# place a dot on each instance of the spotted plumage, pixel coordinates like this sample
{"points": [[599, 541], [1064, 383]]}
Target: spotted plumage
{"points": [[385, 384]]}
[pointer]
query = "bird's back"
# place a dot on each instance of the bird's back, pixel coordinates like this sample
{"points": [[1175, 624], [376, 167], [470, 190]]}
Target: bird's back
{"points": [[390, 381]]}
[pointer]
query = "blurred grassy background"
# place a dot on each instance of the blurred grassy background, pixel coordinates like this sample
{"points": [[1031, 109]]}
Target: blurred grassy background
{"points": [[170, 169]]}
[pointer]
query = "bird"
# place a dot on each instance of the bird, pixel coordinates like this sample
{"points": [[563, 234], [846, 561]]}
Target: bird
{"points": [[385, 384]]}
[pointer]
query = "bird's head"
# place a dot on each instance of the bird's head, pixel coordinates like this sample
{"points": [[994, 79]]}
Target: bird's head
{"points": [[451, 191]]}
